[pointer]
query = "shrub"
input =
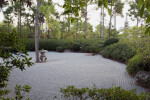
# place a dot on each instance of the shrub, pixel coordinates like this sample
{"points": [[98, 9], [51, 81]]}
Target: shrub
{"points": [[115, 93], [76, 46], [110, 41], [137, 63], [118, 51], [30, 44], [93, 46], [59, 49]]}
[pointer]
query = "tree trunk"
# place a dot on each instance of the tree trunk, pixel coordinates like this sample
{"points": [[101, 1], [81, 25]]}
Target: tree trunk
{"points": [[36, 32], [20, 22], [103, 24], [110, 20], [77, 29], [69, 24], [85, 23], [137, 21], [8, 23], [48, 36], [115, 21], [80, 27], [101, 18]]}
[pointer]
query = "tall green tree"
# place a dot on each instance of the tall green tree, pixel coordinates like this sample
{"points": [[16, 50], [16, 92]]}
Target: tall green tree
{"points": [[144, 5], [118, 7], [111, 2], [8, 18], [103, 4], [13, 55], [134, 11]]}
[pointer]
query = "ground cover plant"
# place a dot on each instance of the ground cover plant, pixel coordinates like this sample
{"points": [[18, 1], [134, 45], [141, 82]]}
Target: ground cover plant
{"points": [[114, 93]]}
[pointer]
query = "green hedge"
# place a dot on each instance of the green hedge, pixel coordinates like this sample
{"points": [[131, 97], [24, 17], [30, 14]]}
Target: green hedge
{"points": [[110, 41], [85, 45], [76, 46], [59, 49], [137, 63], [92, 46], [47, 44], [118, 51]]}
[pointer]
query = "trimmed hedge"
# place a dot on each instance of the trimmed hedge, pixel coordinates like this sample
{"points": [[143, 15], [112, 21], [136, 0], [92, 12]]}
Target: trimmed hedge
{"points": [[118, 51], [59, 49], [47, 44], [137, 63], [110, 41], [88, 45], [92, 46], [75, 46]]}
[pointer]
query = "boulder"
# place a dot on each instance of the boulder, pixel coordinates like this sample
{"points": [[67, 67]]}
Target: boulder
{"points": [[67, 50], [143, 78]]}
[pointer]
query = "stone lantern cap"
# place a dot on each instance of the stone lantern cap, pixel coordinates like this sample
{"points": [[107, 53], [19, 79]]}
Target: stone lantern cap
{"points": [[42, 50]]}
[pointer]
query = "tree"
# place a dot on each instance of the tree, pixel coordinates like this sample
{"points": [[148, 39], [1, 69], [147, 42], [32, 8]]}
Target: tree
{"points": [[8, 18], [134, 11], [37, 32], [13, 55], [117, 11], [110, 22], [103, 4], [144, 4], [19, 8]]}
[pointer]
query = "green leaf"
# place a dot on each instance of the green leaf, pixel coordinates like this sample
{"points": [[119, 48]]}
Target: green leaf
{"points": [[148, 19], [140, 3], [109, 11], [72, 20], [147, 31], [142, 10]]}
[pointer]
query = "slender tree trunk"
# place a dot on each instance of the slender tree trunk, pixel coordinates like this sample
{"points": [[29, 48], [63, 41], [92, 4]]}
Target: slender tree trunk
{"points": [[80, 27], [69, 24], [40, 26], [48, 36], [85, 23], [8, 23], [110, 20], [115, 21], [77, 29], [36, 32], [137, 21], [101, 18], [103, 24], [20, 22]]}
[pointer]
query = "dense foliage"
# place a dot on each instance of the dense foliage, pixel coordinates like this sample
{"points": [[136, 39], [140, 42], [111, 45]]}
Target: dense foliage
{"points": [[119, 51], [13, 55], [114, 93], [137, 63], [59, 49], [110, 41], [90, 45]]}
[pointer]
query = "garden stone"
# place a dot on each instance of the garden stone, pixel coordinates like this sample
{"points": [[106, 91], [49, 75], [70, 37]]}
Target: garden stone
{"points": [[43, 57], [143, 78], [67, 50]]}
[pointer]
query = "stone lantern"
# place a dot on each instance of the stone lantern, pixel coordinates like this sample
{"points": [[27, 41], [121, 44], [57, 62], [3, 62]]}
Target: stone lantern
{"points": [[43, 57]]}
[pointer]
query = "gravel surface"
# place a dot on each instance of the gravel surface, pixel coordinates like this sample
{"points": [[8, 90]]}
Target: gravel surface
{"points": [[78, 69]]}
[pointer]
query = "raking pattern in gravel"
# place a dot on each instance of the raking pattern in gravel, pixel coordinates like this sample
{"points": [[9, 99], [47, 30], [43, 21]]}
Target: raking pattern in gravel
{"points": [[63, 69]]}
